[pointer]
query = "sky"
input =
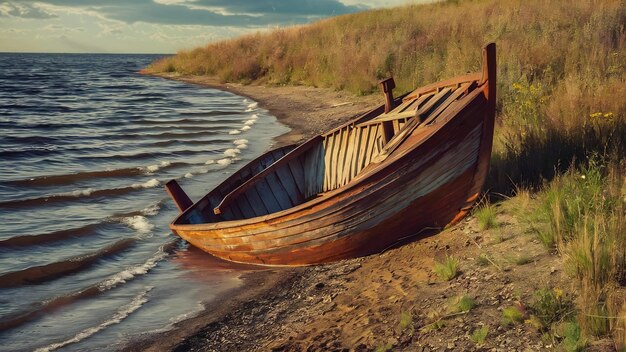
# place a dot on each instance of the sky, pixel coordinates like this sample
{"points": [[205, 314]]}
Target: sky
{"points": [[154, 26]]}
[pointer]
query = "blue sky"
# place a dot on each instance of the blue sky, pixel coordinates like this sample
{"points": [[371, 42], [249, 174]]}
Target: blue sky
{"points": [[154, 26]]}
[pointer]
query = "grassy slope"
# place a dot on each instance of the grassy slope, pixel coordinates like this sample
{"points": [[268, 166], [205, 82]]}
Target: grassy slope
{"points": [[560, 64], [562, 98]]}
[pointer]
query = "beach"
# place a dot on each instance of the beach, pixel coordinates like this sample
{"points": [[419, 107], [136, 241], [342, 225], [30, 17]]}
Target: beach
{"points": [[386, 301]]}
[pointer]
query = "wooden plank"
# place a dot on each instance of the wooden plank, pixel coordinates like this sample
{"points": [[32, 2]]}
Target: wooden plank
{"points": [[363, 147], [256, 203], [332, 166], [354, 168], [341, 158], [396, 127], [297, 172], [451, 98], [245, 207], [261, 175], [289, 184], [370, 147], [278, 190], [347, 163], [431, 103], [328, 158], [315, 171], [267, 196]]}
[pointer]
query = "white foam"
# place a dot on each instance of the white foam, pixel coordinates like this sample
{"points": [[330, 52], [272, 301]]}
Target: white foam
{"points": [[224, 161], [242, 146], [188, 175], [82, 192], [151, 210], [249, 122], [152, 168], [132, 271], [245, 100], [116, 318], [249, 110], [234, 132], [254, 116], [240, 141], [231, 153], [138, 223], [253, 105], [245, 128], [210, 161], [155, 168], [148, 184]]}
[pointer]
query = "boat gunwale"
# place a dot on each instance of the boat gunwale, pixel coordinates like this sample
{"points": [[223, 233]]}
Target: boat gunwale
{"points": [[359, 179]]}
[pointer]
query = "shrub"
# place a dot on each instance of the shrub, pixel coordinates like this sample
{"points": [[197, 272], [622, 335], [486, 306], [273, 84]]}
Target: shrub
{"points": [[479, 336]]}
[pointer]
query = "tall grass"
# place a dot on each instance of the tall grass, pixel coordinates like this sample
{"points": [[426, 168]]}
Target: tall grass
{"points": [[585, 216]]}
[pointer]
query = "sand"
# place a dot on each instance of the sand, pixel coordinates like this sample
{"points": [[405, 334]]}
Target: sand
{"points": [[386, 301]]}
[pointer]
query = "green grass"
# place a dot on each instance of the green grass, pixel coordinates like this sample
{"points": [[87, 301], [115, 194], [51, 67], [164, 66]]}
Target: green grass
{"points": [[512, 315], [486, 216], [483, 260], [462, 304], [447, 269], [523, 260], [479, 336], [582, 215], [406, 321]]}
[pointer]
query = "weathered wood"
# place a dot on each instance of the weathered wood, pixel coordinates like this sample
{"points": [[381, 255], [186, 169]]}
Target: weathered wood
{"points": [[261, 175], [377, 193]]}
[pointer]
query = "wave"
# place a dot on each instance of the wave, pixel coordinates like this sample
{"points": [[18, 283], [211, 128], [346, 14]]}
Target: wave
{"points": [[47, 272], [116, 318], [78, 194], [138, 223], [253, 105], [232, 152], [157, 167], [225, 161], [111, 282], [245, 128], [210, 113], [234, 132], [57, 180], [31, 240]]}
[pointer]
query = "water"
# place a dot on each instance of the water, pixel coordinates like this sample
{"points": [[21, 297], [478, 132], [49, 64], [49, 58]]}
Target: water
{"points": [[87, 261]]}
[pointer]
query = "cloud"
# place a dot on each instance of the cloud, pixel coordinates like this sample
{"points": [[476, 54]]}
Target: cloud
{"points": [[31, 11], [244, 13]]}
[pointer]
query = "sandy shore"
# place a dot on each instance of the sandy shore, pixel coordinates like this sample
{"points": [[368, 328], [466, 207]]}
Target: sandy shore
{"points": [[385, 301]]}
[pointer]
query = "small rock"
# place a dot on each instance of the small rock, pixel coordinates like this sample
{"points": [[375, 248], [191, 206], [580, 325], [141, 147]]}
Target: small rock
{"points": [[451, 345]]}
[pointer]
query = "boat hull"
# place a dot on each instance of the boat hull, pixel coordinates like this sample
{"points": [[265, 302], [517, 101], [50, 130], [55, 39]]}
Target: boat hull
{"points": [[422, 188]]}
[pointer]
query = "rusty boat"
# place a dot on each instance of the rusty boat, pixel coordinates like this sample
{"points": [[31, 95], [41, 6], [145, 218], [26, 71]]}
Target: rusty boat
{"points": [[413, 165]]}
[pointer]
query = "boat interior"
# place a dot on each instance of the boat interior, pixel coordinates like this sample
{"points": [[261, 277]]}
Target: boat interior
{"points": [[289, 176]]}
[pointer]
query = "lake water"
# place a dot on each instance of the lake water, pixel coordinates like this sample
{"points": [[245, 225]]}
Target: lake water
{"points": [[87, 261]]}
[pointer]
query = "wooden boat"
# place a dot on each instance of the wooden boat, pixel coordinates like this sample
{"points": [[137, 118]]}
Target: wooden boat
{"points": [[414, 164]]}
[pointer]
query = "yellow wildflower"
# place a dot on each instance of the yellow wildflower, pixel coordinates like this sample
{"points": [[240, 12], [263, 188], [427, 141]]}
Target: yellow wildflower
{"points": [[558, 293]]}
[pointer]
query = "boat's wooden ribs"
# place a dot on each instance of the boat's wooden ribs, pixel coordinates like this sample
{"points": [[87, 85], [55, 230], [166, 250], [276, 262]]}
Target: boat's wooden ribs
{"points": [[332, 161]]}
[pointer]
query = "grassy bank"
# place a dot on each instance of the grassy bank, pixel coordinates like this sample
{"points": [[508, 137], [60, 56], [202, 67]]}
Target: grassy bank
{"points": [[561, 133]]}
